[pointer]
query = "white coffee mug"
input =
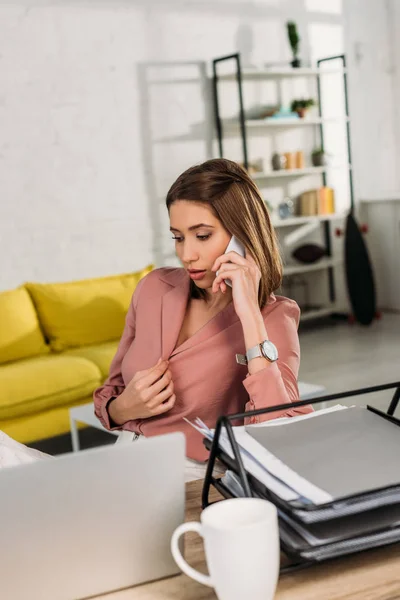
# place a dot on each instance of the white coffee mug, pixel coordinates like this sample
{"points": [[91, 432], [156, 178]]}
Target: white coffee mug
{"points": [[241, 540]]}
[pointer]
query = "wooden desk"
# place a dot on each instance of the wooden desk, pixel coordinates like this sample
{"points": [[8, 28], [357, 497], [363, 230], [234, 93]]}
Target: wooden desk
{"points": [[373, 575]]}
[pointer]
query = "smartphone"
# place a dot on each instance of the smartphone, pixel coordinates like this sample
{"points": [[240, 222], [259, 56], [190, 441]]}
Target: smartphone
{"points": [[234, 246]]}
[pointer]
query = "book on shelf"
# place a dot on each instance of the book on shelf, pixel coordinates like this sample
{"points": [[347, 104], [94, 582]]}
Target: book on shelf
{"points": [[319, 201]]}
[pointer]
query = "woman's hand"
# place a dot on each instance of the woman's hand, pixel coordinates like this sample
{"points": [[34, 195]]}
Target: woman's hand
{"points": [[149, 393], [245, 277]]}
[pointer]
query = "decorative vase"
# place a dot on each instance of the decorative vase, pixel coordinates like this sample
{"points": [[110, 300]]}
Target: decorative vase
{"points": [[286, 208], [278, 161], [296, 63]]}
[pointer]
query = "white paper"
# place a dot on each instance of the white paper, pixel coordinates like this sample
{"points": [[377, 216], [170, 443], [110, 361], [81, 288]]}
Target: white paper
{"points": [[265, 466], [256, 468], [250, 465], [287, 420], [13, 453]]}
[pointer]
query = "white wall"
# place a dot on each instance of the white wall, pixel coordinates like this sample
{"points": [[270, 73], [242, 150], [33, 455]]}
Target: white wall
{"points": [[82, 181], [373, 66], [393, 17], [70, 161]]}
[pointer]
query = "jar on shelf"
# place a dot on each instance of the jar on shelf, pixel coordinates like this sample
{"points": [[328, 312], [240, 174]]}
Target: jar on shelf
{"points": [[290, 160], [300, 163]]}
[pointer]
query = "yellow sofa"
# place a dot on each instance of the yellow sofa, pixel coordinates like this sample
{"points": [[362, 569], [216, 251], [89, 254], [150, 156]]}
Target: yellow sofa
{"points": [[56, 345]]}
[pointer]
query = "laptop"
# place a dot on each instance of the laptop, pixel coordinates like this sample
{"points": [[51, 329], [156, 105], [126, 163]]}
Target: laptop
{"points": [[86, 523]]}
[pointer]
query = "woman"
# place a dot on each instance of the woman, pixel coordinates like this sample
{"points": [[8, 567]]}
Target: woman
{"points": [[184, 327]]}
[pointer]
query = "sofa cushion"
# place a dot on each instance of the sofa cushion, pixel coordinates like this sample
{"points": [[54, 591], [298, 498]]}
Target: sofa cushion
{"points": [[20, 333], [84, 312], [37, 384], [42, 425], [100, 354]]}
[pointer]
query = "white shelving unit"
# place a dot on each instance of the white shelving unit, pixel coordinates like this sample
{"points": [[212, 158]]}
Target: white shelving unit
{"points": [[284, 122], [231, 127], [294, 173], [324, 263], [271, 126], [254, 74], [296, 221]]}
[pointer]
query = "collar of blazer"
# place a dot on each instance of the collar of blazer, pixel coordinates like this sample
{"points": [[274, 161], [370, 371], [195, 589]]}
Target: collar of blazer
{"points": [[174, 276], [174, 302]]}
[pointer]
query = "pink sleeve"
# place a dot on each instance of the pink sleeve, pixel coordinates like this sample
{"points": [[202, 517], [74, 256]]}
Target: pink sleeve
{"points": [[114, 384], [277, 383]]}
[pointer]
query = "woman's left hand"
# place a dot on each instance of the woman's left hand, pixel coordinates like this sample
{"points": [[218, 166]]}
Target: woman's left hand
{"points": [[245, 277]]}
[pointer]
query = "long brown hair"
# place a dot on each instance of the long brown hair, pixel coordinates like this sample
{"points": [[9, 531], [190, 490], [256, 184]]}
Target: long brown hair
{"points": [[237, 203]]}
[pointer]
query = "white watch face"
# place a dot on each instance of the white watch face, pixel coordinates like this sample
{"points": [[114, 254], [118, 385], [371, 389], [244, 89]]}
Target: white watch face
{"points": [[269, 350]]}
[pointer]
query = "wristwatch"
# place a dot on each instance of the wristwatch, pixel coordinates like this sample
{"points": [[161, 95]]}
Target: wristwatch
{"points": [[266, 350]]}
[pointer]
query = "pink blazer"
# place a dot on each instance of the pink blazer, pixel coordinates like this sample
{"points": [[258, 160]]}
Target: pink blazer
{"points": [[208, 382]]}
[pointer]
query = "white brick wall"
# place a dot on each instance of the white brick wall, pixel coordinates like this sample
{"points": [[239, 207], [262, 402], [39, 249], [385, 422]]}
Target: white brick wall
{"points": [[80, 180], [72, 189]]}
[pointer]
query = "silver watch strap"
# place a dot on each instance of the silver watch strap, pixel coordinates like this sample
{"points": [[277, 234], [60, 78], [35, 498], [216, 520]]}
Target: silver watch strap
{"points": [[254, 352]]}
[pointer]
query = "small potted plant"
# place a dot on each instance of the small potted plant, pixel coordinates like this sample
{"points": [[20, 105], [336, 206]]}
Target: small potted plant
{"points": [[302, 105], [294, 41], [318, 157]]}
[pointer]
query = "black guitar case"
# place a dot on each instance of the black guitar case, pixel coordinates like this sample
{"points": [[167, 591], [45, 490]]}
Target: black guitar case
{"points": [[359, 275]]}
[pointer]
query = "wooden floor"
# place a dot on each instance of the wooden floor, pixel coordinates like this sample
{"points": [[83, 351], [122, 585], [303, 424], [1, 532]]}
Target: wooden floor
{"points": [[342, 357]]}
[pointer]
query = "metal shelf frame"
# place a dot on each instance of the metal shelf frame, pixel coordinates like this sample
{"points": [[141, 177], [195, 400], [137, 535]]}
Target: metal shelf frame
{"points": [[239, 76]]}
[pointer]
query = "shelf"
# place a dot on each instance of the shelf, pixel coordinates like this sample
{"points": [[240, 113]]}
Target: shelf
{"points": [[256, 74], [288, 173], [294, 221], [322, 264], [289, 122], [316, 313], [293, 173], [231, 126], [250, 74]]}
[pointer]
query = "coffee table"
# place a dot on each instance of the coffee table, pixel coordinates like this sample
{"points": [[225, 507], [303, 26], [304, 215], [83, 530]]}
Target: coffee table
{"points": [[85, 412], [307, 391]]}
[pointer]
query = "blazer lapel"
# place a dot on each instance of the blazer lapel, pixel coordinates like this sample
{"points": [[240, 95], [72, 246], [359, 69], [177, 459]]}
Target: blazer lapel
{"points": [[220, 322], [173, 310]]}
